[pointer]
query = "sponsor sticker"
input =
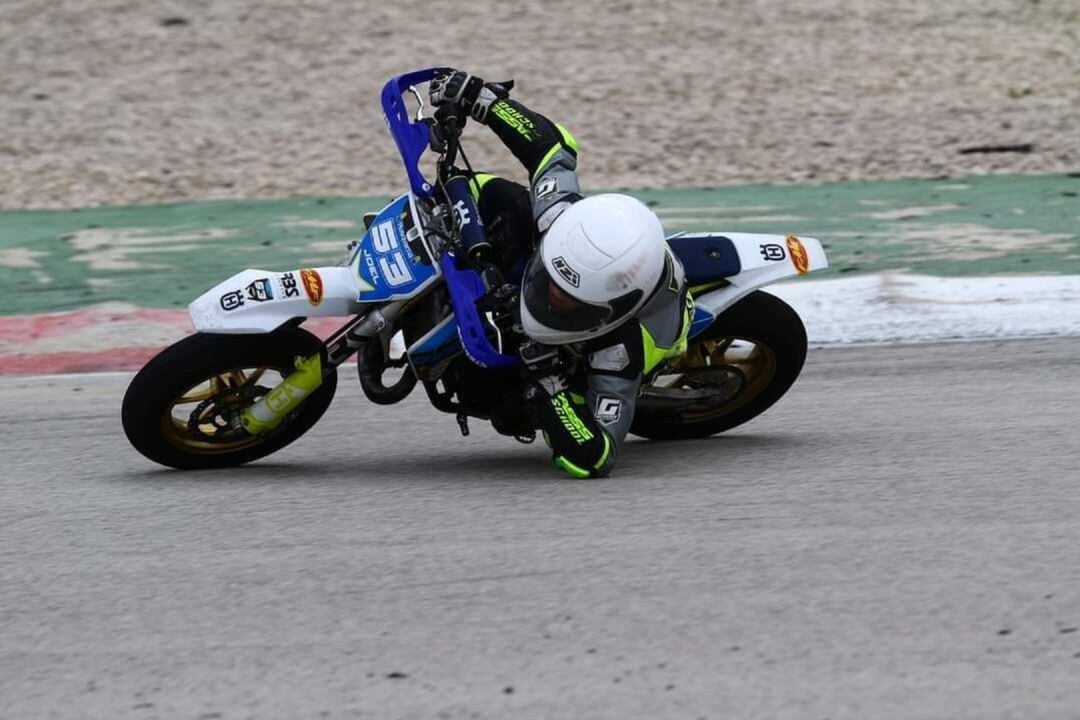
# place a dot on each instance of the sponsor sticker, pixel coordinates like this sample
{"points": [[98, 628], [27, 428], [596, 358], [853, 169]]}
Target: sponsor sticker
{"points": [[608, 409], [313, 285], [773, 252], [547, 186], [569, 274], [260, 290], [288, 285], [232, 300], [799, 257], [461, 212], [624, 280]]}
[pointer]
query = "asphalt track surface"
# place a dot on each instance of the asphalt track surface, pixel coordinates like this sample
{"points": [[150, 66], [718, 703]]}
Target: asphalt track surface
{"points": [[896, 539]]}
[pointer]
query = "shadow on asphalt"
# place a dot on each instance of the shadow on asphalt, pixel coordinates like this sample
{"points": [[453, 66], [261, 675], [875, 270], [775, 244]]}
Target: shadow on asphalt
{"points": [[509, 464]]}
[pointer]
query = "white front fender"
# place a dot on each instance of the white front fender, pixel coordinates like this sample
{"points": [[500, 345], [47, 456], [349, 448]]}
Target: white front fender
{"points": [[258, 301]]}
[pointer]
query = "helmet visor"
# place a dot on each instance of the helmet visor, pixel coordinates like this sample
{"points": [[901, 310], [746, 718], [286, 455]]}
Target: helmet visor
{"points": [[553, 307]]}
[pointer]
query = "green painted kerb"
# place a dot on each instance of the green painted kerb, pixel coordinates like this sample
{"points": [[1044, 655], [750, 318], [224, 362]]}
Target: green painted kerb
{"points": [[165, 255]]}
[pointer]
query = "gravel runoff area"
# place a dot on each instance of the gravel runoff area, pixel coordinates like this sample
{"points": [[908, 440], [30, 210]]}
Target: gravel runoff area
{"points": [[114, 101]]}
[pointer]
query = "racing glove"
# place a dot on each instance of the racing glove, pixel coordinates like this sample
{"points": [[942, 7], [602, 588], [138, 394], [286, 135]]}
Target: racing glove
{"points": [[579, 445], [545, 369], [451, 86]]}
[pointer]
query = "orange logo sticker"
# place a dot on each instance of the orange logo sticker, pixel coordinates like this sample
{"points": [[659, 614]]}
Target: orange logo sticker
{"points": [[799, 257], [313, 285]]}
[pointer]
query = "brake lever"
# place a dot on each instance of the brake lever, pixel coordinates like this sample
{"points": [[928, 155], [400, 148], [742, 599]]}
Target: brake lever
{"points": [[419, 102]]}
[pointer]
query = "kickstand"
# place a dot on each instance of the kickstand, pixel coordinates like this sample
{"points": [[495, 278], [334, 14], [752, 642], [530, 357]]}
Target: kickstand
{"points": [[463, 424]]}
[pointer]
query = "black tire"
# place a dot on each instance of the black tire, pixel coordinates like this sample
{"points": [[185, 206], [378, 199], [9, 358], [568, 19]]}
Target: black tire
{"points": [[196, 358], [765, 320]]}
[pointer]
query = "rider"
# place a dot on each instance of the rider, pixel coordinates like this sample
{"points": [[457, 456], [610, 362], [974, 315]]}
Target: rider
{"points": [[601, 280]]}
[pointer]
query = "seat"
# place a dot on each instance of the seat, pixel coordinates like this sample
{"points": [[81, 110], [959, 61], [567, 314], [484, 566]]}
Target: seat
{"points": [[705, 257]]}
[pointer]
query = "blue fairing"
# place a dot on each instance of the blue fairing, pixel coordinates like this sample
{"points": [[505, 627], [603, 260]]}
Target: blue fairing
{"points": [[411, 137], [701, 320], [466, 288], [440, 343], [464, 329], [393, 259]]}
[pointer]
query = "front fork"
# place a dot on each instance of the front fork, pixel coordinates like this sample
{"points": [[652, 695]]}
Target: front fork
{"points": [[272, 408], [268, 412]]}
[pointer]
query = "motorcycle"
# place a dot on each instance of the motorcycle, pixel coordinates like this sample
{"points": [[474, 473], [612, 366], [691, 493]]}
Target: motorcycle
{"points": [[251, 380]]}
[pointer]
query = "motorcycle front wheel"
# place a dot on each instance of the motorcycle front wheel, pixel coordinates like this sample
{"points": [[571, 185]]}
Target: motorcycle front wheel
{"points": [[181, 409], [731, 373]]}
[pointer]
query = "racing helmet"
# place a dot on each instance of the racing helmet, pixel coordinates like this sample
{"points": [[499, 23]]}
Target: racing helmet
{"points": [[598, 264]]}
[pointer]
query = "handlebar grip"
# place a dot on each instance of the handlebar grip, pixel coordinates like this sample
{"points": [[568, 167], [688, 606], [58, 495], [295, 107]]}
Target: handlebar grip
{"points": [[451, 116], [449, 121]]}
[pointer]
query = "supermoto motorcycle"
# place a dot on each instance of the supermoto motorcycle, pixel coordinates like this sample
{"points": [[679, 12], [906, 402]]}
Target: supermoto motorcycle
{"points": [[251, 379]]}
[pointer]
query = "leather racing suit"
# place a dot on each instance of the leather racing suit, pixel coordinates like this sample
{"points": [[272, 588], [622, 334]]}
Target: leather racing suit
{"points": [[586, 423]]}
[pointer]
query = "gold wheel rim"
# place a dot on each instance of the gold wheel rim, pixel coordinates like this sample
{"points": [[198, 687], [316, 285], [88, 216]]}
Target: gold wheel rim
{"points": [[230, 386], [751, 362]]}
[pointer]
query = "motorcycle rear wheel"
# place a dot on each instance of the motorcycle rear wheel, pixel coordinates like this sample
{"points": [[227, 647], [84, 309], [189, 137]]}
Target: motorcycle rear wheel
{"points": [[738, 367], [179, 410]]}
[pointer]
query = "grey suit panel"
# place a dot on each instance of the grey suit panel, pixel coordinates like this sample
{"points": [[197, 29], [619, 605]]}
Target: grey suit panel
{"points": [[611, 399], [662, 316], [615, 363], [555, 188]]}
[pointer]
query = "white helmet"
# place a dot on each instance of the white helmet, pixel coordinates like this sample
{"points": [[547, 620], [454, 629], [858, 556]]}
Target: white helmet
{"points": [[599, 262]]}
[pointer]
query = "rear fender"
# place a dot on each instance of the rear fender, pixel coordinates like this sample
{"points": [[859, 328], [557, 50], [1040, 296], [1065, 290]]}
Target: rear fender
{"points": [[764, 260], [259, 301]]}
